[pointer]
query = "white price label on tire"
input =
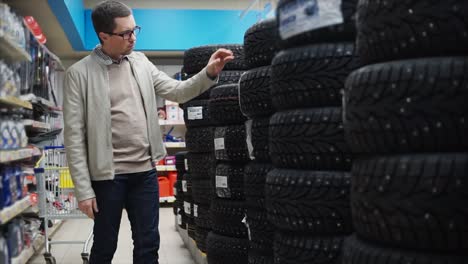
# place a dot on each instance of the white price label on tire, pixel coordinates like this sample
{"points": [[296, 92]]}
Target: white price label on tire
{"points": [[179, 219], [175, 191], [184, 186], [186, 164], [195, 113], [219, 143], [187, 208], [222, 182], [300, 16], [195, 210]]}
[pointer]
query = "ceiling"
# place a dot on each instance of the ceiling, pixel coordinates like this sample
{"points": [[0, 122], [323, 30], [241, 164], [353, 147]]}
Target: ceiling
{"points": [[57, 40]]}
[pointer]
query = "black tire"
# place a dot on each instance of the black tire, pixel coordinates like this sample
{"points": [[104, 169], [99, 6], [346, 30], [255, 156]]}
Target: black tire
{"points": [[254, 184], [196, 113], [408, 106], [195, 59], [224, 105], [201, 235], [261, 231], [230, 143], [179, 191], [191, 231], [316, 202], [357, 251], [227, 218], [202, 191], [200, 139], [311, 76], [413, 201], [336, 33], [203, 217], [225, 77], [226, 250], [261, 42], [180, 162], [421, 29], [260, 139], [309, 139], [300, 249], [229, 181], [254, 92], [201, 165], [256, 258]]}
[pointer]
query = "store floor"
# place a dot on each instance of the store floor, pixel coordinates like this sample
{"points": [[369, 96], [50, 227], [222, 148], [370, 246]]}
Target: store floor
{"points": [[172, 249]]}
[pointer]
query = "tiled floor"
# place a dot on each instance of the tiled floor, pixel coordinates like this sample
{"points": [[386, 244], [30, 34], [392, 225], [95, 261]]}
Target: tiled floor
{"points": [[172, 251]]}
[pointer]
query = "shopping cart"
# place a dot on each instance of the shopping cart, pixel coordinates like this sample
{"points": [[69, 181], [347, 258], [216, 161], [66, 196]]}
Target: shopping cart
{"points": [[56, 198]]}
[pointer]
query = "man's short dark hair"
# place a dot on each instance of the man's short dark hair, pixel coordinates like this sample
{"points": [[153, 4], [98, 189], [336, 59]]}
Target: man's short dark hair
{"points": [[104, 13]]}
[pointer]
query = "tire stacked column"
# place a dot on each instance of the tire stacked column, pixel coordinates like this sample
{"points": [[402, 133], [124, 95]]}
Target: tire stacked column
{"points": [[307, 194], [406, 115], [260, 44], [201, 161]]}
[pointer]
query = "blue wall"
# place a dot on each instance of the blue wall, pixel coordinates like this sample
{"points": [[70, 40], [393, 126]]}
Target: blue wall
{"points": [[70, 14], [162, 29], [167, 29]]}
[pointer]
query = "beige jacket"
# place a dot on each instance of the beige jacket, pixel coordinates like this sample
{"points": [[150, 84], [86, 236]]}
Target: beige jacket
{"points": [[87, 114]]}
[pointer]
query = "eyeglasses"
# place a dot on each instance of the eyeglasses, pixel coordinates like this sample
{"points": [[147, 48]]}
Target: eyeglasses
{"points": [[126, 34]]}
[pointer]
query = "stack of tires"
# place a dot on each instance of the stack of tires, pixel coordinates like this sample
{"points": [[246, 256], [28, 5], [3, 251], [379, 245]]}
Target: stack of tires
{"points": [[260, 45], [179, 209], [307, 192], [227, 243], [406, 113], [201, 161]]}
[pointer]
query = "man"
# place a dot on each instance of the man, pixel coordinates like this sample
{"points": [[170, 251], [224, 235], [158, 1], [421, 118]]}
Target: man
{"points": [[112, 135]]}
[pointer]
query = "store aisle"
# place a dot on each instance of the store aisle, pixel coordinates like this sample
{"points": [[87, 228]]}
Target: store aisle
{"points": [[172, 249]]}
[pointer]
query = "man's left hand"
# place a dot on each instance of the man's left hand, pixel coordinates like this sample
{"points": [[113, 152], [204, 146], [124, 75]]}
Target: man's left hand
{"points": [[217, 61]]}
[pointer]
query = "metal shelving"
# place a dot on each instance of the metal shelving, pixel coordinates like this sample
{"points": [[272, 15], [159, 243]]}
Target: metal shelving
{"points": [[8, 213], [15, 155], [14, 102], [11, 51]]}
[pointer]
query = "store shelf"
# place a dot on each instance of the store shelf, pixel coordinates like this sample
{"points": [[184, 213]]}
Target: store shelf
{"points": [[17, 208], [37, 245], [14, 102], [15, 155], [166, 168], [169, 199], [174, 144], [36, 124], [11, 51], [171, 123]]}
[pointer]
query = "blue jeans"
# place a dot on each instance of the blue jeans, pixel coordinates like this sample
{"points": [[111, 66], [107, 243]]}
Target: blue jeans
{"points": [[138, 193]]}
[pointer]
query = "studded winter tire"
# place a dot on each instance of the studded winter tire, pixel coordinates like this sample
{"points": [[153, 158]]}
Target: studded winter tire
{"points": [[316, 202], [412, 201], [261, 42], [408, 106], [300, 249], [227, 216], [254, 93], [195, 59], [357, 251], [226, 250], [394, 29], [309, 139], [311, 76]]}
